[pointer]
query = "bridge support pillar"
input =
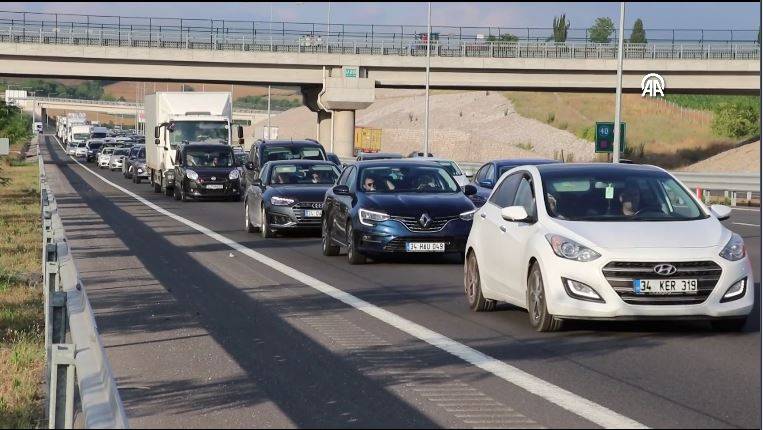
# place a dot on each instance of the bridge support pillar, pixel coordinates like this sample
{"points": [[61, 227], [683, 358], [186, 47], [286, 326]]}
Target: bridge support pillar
{"points": [[324, 128], [344, 132]]}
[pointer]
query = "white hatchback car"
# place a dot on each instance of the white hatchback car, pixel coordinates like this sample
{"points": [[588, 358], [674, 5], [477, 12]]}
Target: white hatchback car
{"points": [[104, 156], [81, 150], [453, 168], [605, 241]]}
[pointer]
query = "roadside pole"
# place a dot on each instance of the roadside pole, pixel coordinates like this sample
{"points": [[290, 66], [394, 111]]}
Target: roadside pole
{"points": [[426, 110], [619, 91]]}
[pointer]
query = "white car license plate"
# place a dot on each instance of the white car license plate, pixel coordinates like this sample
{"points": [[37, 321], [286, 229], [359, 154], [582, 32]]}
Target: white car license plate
{"points": [[215, 187], [665, 286], [313, 213], [425, 246]]}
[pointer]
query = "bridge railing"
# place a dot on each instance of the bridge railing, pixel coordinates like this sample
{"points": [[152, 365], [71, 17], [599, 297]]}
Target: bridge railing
{"points": [[298, 39], [135, 105]]}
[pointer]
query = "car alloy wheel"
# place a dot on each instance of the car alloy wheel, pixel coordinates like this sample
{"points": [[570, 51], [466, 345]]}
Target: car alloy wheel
{"points": [[329, 248], [540, 318], [248, 222], [473, 286], [176, 194], [264, 224], [353, 255]]}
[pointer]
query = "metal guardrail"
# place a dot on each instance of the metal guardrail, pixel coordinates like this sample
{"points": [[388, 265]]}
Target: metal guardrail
{"points": [[72, 345], [236, 39]]}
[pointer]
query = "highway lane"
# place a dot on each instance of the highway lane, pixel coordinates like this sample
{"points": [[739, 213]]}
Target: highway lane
{"points": [[677, 374]]}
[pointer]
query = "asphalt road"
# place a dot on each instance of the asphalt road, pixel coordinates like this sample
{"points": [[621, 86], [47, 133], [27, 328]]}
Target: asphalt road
{"points": [[200, 334]]}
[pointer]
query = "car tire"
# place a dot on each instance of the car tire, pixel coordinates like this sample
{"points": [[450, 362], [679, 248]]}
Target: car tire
{"points": [[176, 194], [353, 255], [540, 319], [265, 230], [473, 286], [329, 248], [136, 179], [729, 325], [157, 186], [248, 222]]}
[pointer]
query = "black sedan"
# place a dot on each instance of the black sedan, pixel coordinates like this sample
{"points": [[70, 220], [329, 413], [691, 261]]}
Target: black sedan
{"points": [[288, 195], [206, 170], [396, 206], [487, 176]]}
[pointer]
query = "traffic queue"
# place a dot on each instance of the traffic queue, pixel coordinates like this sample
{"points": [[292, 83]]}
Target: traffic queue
{"points": [[561, 240]]}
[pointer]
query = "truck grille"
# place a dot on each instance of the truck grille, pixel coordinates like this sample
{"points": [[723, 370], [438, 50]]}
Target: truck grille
{"points": [[412, 223], [620, 275]]}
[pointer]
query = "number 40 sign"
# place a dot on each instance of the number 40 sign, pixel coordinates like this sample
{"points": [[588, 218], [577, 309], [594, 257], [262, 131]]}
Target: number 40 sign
{"points": [[605, 137]]}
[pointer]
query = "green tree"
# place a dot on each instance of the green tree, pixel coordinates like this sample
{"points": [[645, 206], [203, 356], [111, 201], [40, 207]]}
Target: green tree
{"points": [[601, 31], [638, 35], [561, 25], [736, 120], [506, 37]]}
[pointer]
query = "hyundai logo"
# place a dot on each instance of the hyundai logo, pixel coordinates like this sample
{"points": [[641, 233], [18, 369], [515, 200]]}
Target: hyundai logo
{"points": [[213, 178], [665, 269], [425, 220]]}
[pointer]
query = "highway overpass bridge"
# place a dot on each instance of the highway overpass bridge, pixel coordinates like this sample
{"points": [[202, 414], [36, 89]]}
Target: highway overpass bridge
{"points": [[339, 75]]}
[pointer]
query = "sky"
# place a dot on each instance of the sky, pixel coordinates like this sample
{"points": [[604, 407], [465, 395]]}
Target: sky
{"points": [[664, 15]]}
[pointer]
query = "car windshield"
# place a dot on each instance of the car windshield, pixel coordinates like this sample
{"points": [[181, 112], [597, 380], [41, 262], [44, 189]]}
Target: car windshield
{"points": [[121, 151], [617, 196], [292, 152], [199, 131], [107, 151], [94, 145], [451, 167], [407, 179], [82, 145], [98, 135], [284, 174], [209, 158], [142, 153], [81, 136]]}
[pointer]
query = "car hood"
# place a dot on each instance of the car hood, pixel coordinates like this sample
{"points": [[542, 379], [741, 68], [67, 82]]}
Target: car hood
{"points": [[414, 204], [302, 193], [703, 233]]}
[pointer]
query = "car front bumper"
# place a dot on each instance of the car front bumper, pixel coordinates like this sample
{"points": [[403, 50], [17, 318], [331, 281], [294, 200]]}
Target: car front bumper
{"points": [[293, 217], [390, 237], [625, 305], [231, 188]]}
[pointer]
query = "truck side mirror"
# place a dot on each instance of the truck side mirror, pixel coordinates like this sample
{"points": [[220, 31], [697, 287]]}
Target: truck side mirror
{"points": [[156, 133], [240, 133]]}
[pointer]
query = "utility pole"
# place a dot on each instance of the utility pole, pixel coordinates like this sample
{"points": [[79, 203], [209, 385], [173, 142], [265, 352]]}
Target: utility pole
{"points": [[268, 113], [619, 91], [328, 23], [426, 110]]}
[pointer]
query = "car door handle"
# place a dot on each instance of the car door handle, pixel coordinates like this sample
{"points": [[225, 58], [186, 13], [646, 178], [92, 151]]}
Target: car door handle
{"points": [[503, 228], [483, 215]]}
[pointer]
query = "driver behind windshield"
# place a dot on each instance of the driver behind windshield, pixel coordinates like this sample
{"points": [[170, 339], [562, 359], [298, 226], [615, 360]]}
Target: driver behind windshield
{"points": [[629, 201]]}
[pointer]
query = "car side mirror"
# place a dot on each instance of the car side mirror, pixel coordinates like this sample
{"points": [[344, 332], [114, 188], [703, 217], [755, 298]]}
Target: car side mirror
{"points": [[487, 183], [514, 214], [341, 190], [240, 133], [470, 190], [722, 212], [257, 182], [156, 132], [249, 165]]}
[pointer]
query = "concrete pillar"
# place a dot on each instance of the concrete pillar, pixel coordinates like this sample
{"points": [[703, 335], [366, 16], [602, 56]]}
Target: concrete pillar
{"points": [[324, 129], [344, 132]]}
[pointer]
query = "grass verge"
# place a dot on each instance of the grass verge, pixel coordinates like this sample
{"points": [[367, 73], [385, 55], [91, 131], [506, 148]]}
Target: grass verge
{"points": [[22, 349]]}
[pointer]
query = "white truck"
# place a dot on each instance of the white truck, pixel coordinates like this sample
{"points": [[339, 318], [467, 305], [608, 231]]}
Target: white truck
{"points": [[75, 119], [179, 118]]}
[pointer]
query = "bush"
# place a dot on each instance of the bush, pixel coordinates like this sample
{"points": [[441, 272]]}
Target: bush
{"points": [[736, 120], [550, 117], [525, 146], [587, 133], [638, 35], [563, 125]]}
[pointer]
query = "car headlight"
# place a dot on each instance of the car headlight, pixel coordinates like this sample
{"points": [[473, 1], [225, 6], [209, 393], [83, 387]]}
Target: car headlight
{"points": [[736, 290], [370, 217], [734, 249], [570, 249], [468, 215], [233, 174], [581, 291], [190, 174], [281, 201]]}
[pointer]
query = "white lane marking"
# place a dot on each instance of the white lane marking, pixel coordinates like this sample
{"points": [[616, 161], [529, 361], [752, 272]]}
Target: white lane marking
{"points": [[745, 209], [744, 223], [577, 405]]}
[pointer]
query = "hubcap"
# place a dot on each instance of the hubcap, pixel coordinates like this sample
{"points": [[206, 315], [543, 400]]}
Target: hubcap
{"points": [[471, 279], [246, 216], [536, 296]]}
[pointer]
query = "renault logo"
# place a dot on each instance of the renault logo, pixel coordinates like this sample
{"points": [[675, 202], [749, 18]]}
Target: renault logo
{"points": [[425, 220], [665, 269]]}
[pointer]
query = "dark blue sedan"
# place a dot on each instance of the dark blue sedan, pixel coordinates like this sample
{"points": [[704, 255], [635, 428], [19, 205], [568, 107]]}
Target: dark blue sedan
{"points": [[487, 176], [396, 206]]}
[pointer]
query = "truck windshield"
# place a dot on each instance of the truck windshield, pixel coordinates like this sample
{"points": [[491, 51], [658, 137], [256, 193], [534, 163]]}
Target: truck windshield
{"points": [[81, 136], [209, 158], [199, 131]]}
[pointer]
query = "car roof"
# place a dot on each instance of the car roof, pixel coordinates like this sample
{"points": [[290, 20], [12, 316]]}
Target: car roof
{"points": [[595, 168], [289, 142], [524, 161], [299, 161], [394, 162]]}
